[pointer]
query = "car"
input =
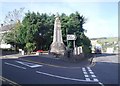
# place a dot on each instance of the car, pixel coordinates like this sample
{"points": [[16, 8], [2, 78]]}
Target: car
{"points": [[39, 51], [98, 51]]}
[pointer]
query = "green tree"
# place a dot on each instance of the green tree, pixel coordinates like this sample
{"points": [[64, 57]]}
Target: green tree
{"points": [[73, 24], [38, 28], [13, 16], [30, 47], [12, 20]]}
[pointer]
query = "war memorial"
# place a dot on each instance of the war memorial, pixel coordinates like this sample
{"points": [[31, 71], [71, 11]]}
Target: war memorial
{"points": [[58, 48]]}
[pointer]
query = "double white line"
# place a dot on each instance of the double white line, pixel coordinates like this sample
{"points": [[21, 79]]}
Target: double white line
{"points": [[91, 74]]}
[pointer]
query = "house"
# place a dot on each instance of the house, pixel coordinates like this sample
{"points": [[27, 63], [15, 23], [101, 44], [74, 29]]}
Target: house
{"points": [[4, 29]]}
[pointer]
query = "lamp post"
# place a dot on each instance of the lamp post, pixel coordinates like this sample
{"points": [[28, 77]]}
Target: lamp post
{"points": [[40, 34], [66, 37]]}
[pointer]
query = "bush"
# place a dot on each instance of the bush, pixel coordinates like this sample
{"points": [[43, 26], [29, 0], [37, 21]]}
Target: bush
{"points": [[86, 49], [30, 47], [86, 44]]}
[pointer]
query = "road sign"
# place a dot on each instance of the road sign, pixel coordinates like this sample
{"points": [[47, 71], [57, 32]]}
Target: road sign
{"points": [[71, 37]]}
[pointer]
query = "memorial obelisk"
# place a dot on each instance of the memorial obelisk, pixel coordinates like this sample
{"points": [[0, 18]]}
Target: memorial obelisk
{"points": [[57, 46]]}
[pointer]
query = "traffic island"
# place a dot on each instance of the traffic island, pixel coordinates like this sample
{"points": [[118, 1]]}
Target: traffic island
{"points": [[62, 60]]}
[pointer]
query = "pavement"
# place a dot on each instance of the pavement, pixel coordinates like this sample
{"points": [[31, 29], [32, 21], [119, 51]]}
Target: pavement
{"points": [[110, 58], [12, 56]]}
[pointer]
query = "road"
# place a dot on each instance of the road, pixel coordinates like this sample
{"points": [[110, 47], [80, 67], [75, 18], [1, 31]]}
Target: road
{"points": [[39, 70]]}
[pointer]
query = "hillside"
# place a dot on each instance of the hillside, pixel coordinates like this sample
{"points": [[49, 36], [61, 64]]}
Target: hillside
{"points": [[110, 42]]}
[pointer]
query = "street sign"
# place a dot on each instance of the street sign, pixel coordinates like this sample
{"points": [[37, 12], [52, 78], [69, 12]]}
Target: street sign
{"points": [[71, 37]]}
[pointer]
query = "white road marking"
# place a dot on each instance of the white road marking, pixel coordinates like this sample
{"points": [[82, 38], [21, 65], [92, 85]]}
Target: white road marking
{"points": [[93, 75], [83, 69], [15, 65], [85, 72], [101, 83], [35, 66], [91, 72], [87, 79], [74, 79], [32, 65], [86, 75], [95, 80], [88, 68]]}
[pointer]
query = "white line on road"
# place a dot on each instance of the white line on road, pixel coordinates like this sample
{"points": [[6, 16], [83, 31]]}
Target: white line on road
{"points": [[88, 68], [32, 65], [83, 69], [95, 79], [15, 65], [101, 83], [91, 72], [74, 79], [86, 75], [93, 75], [87, 79], [85, 72]]}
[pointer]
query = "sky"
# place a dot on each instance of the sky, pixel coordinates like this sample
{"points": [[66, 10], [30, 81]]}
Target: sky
{"points": [[102, 17]]}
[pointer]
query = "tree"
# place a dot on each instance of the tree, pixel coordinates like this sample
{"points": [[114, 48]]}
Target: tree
{"points": [[13, 16], [12, 20], [30, 47], [73, 24], [86, 44], [37, 29]]}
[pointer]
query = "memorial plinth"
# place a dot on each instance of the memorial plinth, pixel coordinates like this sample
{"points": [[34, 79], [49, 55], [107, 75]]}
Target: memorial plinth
{"points": [[57, 46]]}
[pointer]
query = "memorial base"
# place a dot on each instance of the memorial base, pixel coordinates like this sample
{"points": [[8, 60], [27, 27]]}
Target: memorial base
{"points": [[57, 48]]}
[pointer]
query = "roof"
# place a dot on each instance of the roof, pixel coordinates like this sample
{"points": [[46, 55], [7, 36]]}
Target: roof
{"points": [[6, 28]]}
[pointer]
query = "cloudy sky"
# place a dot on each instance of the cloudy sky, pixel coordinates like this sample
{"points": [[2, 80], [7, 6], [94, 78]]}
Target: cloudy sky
{"points": [[102, 17]]}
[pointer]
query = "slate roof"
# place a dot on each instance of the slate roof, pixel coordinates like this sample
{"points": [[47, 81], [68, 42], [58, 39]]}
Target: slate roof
{"points": [[6, 28]]}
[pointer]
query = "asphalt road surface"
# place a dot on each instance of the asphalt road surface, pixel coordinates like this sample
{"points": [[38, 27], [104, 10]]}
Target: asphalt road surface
{"points": [[39, 70]]}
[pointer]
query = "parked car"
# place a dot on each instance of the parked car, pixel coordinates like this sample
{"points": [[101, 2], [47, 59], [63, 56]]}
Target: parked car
{"points": [[38, 52], [98, 49]]}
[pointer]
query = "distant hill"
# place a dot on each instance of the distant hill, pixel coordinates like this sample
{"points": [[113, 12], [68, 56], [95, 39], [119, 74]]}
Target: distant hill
{"points": [[104, 38], [107, 42], [98, 38]]}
